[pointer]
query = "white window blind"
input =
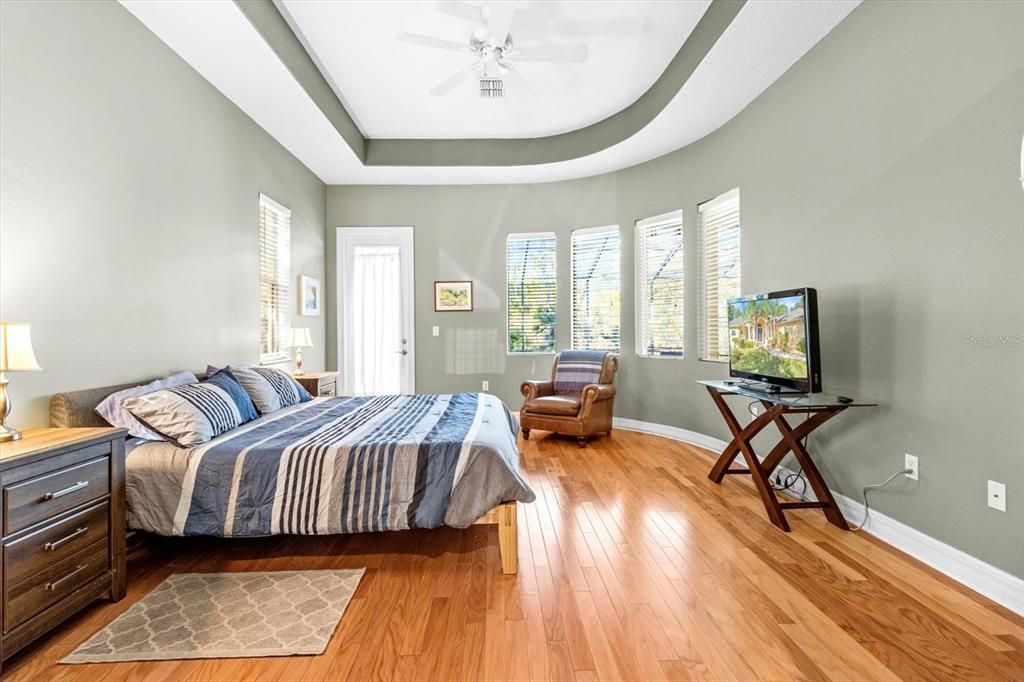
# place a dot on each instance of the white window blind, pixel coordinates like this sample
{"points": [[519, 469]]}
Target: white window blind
{"points": [[275, 277], [595, 288], [720, 271], [531, 291], [659, 285]]}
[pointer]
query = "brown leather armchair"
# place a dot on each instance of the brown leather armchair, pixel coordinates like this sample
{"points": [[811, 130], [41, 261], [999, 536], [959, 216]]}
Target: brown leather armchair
{"points": [[576, 414]]}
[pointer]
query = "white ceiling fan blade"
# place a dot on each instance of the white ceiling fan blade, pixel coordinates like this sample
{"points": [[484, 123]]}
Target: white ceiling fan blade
{"points": [[518, 78], [552, 53], [430, 41], [461, 75], [498, 17], [460, 9]]}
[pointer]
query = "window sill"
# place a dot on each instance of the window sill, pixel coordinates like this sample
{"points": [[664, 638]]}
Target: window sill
{"points": [[530, 352], [719, 361], [661, 357]]}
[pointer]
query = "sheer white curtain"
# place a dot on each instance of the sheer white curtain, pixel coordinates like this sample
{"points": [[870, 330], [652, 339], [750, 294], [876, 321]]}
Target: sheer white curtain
{"points": [[376, 320]]}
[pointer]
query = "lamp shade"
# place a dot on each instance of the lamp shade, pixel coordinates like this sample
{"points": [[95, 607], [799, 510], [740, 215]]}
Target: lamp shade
{"points": [[16, 354], [300, 338]]}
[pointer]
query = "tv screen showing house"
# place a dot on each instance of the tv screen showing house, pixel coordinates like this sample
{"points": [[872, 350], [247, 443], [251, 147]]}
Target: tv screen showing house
{"points": [[768, 336]]}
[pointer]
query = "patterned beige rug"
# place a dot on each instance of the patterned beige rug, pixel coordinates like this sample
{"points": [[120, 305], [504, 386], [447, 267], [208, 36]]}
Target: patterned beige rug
{"points": [[227, 615]]}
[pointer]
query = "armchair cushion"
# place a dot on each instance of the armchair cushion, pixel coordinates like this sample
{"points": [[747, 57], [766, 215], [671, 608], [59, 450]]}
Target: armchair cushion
{"points": [[561, 405]]}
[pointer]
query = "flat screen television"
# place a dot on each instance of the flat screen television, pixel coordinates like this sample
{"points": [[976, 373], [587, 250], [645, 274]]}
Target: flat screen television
{"points": [[773, 339]]}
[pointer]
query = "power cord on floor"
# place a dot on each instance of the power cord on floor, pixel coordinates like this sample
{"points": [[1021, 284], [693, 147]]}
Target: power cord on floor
{"points": [[869, 488]]}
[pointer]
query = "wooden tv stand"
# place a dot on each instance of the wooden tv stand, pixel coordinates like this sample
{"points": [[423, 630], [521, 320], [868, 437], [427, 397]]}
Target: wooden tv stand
{"points": [[818, 408]]}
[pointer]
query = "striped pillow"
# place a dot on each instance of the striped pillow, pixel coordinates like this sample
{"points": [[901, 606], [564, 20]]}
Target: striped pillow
{"points": [[194, 413], [270, 388]]}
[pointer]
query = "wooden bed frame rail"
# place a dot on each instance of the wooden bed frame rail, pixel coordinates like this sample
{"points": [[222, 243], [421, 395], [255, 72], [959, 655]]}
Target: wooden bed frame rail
{"points": [[508, 540]]}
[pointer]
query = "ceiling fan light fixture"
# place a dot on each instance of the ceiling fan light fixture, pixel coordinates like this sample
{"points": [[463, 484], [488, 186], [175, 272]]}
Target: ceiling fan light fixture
{"points": [[492, 88]]}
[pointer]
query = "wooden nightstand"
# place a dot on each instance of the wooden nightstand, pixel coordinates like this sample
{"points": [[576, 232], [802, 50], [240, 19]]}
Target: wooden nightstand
{"points": [[319, 383], [62, 527]]}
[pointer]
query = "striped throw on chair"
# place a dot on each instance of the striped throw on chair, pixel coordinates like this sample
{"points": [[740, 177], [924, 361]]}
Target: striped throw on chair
{"points": [[575, 369]]}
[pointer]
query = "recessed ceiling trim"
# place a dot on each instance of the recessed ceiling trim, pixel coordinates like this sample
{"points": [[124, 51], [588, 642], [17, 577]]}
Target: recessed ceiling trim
{"points": [[268, 20], [217, 39], [275, 30]]}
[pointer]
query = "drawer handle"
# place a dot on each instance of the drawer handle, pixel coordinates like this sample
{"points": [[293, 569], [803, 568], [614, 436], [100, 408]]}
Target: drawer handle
{"points": [[66, 491], [51, 546], [51, 586]]}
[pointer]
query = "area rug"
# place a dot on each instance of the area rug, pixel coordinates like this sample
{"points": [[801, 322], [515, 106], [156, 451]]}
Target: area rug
{"points": [[227, 615]]}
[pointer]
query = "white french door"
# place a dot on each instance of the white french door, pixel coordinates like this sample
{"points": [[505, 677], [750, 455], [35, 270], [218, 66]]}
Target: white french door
{"points": [[376, 348]]}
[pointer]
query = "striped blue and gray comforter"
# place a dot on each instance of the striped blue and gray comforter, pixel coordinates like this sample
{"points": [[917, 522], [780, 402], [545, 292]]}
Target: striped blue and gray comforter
{"points": [[335, 465]]}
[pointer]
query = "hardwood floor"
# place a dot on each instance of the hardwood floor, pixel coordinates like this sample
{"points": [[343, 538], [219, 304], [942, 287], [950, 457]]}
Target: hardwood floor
{"points": [[632, 566]]}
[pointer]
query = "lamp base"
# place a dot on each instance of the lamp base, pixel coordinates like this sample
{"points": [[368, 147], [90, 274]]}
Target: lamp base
{"points": [[7, 433]]}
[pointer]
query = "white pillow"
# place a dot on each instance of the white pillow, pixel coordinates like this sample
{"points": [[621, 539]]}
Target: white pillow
{"points": [[113, 411]]}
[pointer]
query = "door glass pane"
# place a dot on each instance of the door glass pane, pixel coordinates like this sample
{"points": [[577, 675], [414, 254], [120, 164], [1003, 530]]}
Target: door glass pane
{"points": [[377, 320]]}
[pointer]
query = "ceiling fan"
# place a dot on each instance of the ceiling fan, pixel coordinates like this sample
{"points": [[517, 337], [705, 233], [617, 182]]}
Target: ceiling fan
{"points": [[493, 50]]}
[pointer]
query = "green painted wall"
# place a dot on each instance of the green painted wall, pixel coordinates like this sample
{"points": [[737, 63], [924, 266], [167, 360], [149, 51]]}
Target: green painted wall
{"points": [[129, 205], [881, 169]]}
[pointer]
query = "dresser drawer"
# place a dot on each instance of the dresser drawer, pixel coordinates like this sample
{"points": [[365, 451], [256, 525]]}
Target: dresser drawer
{"points": [[330, 389], [30, 554], [53, 583], [45, 496]]}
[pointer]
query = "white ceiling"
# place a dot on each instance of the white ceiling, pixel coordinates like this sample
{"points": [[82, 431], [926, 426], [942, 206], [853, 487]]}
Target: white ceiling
{"points": [[762, 42], [385, 84]]}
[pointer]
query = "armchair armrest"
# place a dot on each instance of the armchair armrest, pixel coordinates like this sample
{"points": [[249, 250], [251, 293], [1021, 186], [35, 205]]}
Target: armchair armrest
{"points": [[594, 393], [537, 389]]}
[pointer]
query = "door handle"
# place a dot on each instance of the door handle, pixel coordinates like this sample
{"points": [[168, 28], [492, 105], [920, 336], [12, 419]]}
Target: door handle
{"points": [[402, 352]]}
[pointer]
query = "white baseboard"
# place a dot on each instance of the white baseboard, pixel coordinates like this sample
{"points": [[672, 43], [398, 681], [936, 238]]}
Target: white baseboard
{"points": [[1001, 587], [673, 432]]}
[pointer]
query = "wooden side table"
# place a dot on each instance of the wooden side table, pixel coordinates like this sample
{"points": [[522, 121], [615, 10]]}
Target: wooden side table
{"points": [[62, 522], [818, 408], [319, 383]]}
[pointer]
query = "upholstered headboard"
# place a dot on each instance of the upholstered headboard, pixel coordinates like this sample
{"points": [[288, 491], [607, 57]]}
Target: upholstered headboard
{"points": [[78, 408]]}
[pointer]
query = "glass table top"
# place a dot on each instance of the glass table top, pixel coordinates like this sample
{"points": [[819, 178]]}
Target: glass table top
{"points": [[756, 391]]}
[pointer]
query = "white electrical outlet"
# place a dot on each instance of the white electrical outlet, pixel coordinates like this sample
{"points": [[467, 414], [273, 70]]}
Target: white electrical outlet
{"points": [[436, 331], [910, 462], [997, 495], [487, 385]]}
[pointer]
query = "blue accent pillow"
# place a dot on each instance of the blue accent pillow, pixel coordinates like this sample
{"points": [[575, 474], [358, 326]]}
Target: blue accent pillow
{"points": [[227, 381]]}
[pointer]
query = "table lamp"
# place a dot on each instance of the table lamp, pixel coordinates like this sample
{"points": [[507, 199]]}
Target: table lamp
{"points": [[16, 355], [300, 339]]}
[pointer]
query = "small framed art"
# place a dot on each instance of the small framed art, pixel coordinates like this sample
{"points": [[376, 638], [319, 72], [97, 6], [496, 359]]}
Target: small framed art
{"points": [[453, 296], [309, 296]]}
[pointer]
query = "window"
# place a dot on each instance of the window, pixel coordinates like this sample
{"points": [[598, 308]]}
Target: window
{"points": [[275, 276], [719, 272], [659, 285], [530, 264], [595, 288]]}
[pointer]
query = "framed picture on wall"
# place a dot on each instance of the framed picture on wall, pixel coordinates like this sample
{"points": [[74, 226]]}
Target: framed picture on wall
{"points": [[453, 296], [309, 296]]}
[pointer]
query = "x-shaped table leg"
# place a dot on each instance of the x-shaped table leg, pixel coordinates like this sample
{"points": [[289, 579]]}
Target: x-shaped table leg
{"points": [[791, 443], [741, 443]]}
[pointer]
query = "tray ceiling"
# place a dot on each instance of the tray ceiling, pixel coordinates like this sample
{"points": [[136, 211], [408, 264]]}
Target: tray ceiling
{"points": [[308, 75], [385, 84]]}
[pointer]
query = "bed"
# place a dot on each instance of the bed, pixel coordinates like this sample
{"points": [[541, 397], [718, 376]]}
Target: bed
{"points": [[330, 465]]}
